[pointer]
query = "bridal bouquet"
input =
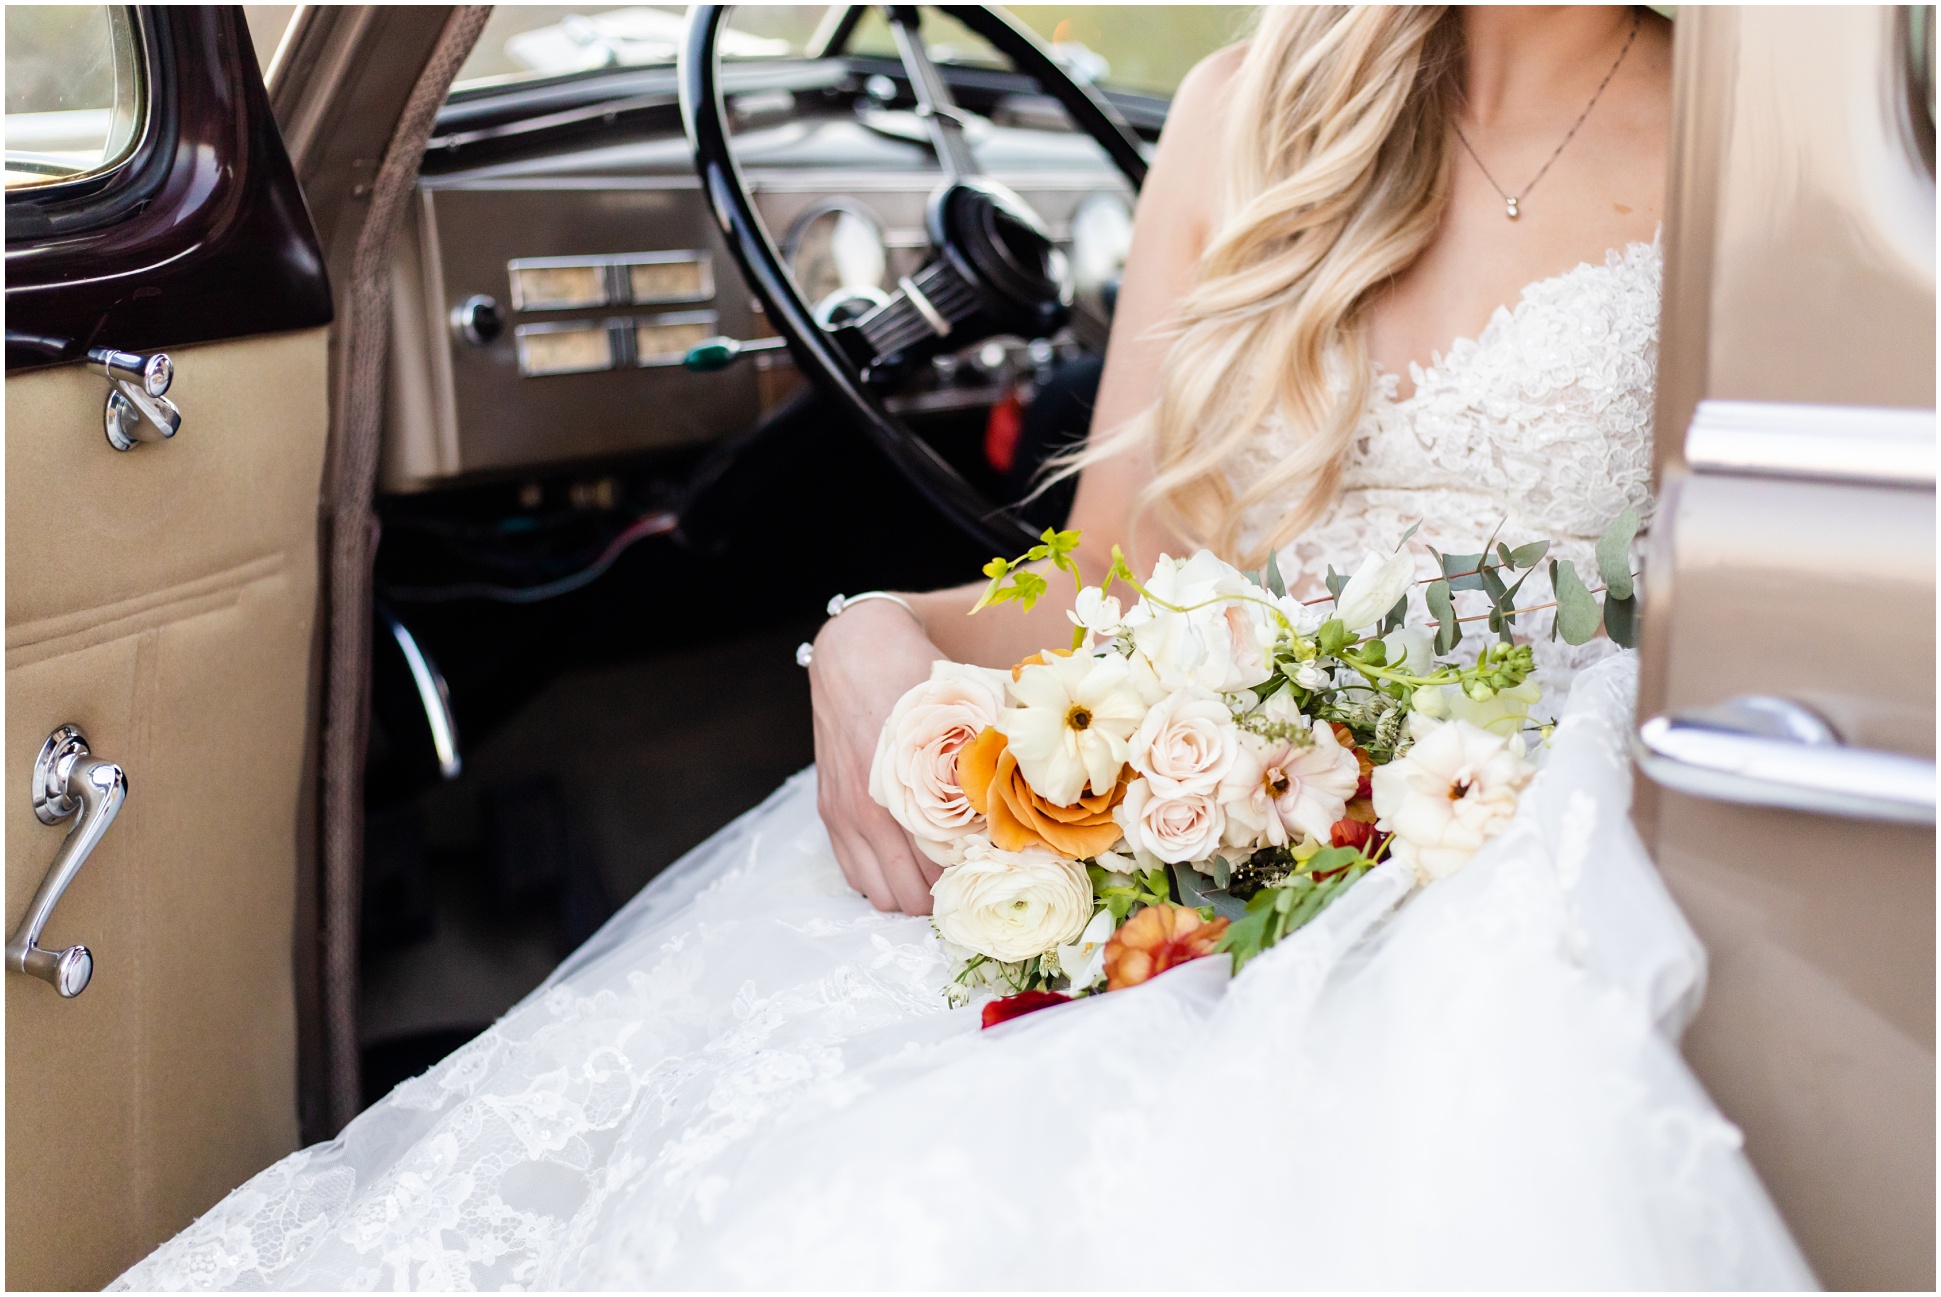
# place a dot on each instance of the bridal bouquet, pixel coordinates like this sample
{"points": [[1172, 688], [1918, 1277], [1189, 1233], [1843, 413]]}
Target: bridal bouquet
{"points": [[1204, 771]]}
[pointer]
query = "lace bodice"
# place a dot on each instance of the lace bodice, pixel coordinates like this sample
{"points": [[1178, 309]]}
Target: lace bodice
{"points": [[1541, 424]]}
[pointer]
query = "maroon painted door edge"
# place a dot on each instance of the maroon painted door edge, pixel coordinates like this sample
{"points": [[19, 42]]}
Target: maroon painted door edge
{"points": [[202, 235]]}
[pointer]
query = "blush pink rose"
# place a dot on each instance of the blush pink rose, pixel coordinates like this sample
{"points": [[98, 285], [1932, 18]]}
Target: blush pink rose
{"points": [[914, 773]]}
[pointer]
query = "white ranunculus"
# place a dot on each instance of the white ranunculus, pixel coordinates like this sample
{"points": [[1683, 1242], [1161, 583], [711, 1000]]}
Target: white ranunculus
{"points": [[1505, 714], [1222, 643], [1451, 792], [1097, 612], [914, 773], [1374, 589], [1011, 905], [1411, 648], [1069, 727], [1280, 791], [1083, 961], [1176, 828], [1186, 744], [1312, 677]]}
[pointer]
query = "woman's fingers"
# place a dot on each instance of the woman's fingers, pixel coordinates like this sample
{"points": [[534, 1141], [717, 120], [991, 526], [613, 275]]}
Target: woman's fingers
{"points": [[898, 859]]}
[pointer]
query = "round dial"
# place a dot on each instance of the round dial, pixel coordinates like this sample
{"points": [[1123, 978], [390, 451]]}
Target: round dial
{"points": [[837, 249]]}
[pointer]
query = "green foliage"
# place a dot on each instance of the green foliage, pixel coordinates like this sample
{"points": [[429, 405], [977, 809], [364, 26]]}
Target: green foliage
{"points": [[1578, 615], [1290, 904], [1442, 608], [1275, 584], [1621, 620], [1026, 587], [1614, 554], [1122, 894]]}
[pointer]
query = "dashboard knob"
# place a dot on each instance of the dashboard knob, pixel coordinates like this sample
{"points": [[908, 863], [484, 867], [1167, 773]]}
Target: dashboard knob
{"points": [[478, 320]]}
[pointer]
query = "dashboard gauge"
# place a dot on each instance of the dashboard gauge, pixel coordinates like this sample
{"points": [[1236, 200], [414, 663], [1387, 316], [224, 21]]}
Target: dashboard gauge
{"points": [[1101, 238], [837, 248]]}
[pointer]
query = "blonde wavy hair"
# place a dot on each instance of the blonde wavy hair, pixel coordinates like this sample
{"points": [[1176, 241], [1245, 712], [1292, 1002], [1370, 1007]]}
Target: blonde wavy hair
{"points": [[1337, 174]]}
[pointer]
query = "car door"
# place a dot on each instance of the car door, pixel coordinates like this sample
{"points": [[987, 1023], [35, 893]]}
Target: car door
{"points": [[1788, 690], [161, 608]]}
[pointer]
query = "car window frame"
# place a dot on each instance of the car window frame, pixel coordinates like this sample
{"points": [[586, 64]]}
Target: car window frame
{"points": [[105, 195]]}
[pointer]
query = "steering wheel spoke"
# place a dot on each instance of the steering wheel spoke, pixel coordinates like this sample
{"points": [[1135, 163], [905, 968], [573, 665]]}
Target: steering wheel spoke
{"points": [[935, 105]]}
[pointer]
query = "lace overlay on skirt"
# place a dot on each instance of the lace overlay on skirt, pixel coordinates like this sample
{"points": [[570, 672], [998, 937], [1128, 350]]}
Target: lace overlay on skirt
{"points": [[750, 1078]]}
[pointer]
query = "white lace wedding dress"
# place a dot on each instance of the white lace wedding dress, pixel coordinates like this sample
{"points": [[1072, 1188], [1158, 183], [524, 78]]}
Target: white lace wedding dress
{"points": [[750, 1078]]}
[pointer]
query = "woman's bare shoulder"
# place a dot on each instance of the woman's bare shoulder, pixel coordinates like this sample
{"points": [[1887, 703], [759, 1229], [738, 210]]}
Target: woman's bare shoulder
{"points": [[1207, 90]]}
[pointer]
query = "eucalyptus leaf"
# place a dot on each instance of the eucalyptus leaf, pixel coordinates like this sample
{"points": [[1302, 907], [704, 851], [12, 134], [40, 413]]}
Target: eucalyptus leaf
{"points": [[1529, 555], [1614, 554], [1395, 616], [1449, 630], [1335, 581], [1621, 620], [1276, 585], [1222, 872], [1578, 615], [1461, 570], [1503, 553], [1413, 528]]}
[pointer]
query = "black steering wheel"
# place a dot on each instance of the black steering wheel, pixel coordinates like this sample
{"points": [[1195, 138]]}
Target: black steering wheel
{"points": [[992, 268]]}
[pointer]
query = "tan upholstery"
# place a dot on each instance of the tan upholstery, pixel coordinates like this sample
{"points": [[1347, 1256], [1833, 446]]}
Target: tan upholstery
{"points": [[163, 600]]}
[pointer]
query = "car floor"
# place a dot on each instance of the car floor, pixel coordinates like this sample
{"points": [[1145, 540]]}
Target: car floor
{"points": [[560, 816]]}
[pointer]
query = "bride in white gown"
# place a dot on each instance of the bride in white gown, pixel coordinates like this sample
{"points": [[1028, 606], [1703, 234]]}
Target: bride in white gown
{"points": [[751, 1077]]}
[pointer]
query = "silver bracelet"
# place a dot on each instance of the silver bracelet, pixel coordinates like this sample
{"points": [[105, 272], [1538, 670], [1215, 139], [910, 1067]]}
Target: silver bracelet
{"points": [[842, 603]]}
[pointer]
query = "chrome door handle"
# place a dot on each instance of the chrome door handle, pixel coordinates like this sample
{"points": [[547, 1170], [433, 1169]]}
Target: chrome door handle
{"points": [[138, 407], [1764, 751], [68, 781]]}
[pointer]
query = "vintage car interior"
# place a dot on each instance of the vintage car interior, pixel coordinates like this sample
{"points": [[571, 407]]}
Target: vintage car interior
{"points": [[495, 397]]}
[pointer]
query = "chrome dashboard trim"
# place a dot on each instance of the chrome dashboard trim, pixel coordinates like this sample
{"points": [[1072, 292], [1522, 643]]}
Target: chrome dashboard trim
{"points": [[1893, 447]]}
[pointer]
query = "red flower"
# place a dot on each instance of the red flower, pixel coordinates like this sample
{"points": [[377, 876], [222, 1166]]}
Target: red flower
{"points": [[1016, 1006]]}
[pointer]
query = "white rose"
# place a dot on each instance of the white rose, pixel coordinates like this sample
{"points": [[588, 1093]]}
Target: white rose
{"points": [[1186, 744], [1176, 828], [914, 773], [1280, 791], [1071, 722], [1083, 961], [1222, 643], [1011, 905], [1454, 790], [1374, 589]]}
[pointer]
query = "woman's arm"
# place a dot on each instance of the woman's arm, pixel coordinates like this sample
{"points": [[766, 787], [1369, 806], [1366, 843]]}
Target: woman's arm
{"points": [[868, 657]]}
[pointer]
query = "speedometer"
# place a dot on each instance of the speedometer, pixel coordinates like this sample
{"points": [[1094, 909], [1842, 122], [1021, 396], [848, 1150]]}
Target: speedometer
{"points": [[837, 248]]}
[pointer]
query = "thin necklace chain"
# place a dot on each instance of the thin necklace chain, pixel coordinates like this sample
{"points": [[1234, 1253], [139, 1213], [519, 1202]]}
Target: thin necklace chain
{"points": [[1514, 202]]}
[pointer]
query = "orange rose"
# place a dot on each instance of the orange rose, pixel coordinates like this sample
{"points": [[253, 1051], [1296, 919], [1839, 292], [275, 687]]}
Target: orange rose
{"points": [[1020, 818], [1156, 939]]}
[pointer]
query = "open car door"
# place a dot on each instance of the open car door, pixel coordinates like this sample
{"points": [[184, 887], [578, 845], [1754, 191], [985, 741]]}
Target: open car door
{"points": [[1788, 687], [162, 581]]}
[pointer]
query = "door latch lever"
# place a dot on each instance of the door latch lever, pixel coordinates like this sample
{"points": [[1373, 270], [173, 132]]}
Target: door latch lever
{"points": [[138, 407], [69, 781]]}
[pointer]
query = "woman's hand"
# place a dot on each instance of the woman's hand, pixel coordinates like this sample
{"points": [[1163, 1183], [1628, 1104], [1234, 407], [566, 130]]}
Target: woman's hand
{"points": [[865, 660]]}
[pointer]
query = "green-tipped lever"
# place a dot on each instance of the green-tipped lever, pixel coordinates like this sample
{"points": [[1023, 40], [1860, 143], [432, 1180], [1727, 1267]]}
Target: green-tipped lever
{"points": [[719, 353]]}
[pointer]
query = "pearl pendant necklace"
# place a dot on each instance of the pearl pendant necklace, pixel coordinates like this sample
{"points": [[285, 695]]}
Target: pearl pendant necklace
{"points": [[1510, 201]]}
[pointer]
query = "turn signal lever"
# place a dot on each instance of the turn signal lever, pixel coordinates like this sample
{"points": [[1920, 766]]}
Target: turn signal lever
{"points": [[138, 406]]}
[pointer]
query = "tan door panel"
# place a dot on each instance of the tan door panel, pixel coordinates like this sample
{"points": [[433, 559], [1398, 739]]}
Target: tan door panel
{"points": [[1800, 281], [164, 600]]}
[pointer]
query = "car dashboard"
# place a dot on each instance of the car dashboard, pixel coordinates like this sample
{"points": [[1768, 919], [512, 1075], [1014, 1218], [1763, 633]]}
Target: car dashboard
{"points": [[560, 259]]}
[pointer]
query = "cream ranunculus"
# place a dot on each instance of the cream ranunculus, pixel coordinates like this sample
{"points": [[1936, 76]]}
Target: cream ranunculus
{"points": [[1281, 790], [1069, 727], [914, 774], [1096, 611], [1186, 744], [1374, 589], [1221, 643], [1451, 792], [1011, 905], [1083, 961], [1178, 828]]}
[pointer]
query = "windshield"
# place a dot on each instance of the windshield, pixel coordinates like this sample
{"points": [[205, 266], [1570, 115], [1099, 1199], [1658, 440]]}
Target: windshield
{"points": [[1127, 47]]}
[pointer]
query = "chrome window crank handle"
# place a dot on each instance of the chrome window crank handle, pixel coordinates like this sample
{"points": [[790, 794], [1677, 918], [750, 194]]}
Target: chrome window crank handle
{"points": [[68, 781], [138, 407]]}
